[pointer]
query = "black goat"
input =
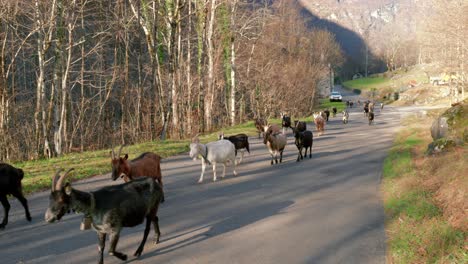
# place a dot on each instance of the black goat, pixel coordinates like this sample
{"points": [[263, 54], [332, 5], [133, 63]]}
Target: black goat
{"points": [[366, 110], [305, 140], [334, 111], [285, 122], [300, 126], [240, 141], [327, 113], [10, 183], [109, 209]]}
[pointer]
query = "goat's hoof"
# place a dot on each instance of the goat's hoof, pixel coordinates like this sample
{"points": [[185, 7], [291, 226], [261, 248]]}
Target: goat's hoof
{"points": [[28, 217], [200, 181], [118, 255], [137, 253], [2, 226]]}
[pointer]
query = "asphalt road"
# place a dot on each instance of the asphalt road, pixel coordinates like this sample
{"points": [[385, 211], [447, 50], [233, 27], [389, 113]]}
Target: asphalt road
{"points": [[327, 209]]}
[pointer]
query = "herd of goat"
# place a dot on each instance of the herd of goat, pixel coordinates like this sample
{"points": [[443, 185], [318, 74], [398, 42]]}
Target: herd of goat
{"points": [[111, 208]]}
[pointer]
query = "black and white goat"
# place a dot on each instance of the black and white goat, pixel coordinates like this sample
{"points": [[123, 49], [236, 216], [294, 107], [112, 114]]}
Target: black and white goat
{"points": [[285, 122], [345, 116], [10, 183], [240, 141], [109, 209]]}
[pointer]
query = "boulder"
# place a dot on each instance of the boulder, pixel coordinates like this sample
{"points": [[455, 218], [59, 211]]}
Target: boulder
{"points": [[450, 128]]}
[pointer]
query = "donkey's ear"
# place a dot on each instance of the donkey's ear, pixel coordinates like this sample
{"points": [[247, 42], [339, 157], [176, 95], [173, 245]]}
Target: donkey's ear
{"points": [[126, 157]]}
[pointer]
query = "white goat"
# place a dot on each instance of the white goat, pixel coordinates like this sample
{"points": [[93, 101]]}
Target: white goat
{"points": [[219, 151]]}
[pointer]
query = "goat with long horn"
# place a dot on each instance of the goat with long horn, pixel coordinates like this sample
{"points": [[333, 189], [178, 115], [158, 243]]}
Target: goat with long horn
{"points": [[109, 209]]}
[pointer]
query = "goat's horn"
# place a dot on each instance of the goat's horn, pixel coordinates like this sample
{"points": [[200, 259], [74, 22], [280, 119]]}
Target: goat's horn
{"points": [[55, 178], [195, 138], [62, 178], [120, 150]]}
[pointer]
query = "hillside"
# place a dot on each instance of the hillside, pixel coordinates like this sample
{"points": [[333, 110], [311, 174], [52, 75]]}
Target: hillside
{"points": [[358, 24]]}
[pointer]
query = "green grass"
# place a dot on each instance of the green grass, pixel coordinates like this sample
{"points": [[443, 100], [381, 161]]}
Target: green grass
{"points": [[325, 103], [416, 204], [416, 229], [432, 242], [38, 173], [368, 83], [398, 161]]}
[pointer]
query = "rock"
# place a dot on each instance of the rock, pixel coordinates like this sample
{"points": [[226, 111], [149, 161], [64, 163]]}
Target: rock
{"points": [[439, 128], [439, 145], [450, 128]]}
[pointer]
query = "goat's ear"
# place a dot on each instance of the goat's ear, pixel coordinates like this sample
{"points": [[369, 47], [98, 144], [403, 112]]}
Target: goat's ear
{"points": [[67, 188], [126, 157]]}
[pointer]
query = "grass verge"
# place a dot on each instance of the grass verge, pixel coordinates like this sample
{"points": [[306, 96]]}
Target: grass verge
{"points": [[325, 103], [38, 173], [424, 199], [368, 83]]}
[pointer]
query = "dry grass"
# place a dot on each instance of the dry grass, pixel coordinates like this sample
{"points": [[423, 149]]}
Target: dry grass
{"points": [[426, 199]]}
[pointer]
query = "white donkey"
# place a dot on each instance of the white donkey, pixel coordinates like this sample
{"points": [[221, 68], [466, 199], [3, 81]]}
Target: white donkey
{"points": [[220, 151]]}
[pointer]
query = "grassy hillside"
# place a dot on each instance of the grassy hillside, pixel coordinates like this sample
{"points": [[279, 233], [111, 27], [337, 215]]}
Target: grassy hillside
{"points": [[424, 199], [390, 81]]}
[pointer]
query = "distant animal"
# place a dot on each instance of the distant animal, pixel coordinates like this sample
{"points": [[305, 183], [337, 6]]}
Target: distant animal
{"points": [[366, 110], [260, 123], [327, 114], [351, 103], [221, 151], [371, 118], [240, 141], [10, 184], [303, 140], [345, 117], [381, 106], [319, 124], [359, 102], [275, 142], [285, 122], [323, 115], [334, 110], [109, 209], [371, 107], [147, 164], [299, 125]]}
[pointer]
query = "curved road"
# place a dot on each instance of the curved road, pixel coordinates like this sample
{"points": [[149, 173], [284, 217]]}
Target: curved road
{"points": [[326, 209]]}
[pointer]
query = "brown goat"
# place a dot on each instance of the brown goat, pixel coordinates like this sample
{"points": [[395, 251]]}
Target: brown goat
{"points": [[320, 124], [147, 164], [260, 123]]}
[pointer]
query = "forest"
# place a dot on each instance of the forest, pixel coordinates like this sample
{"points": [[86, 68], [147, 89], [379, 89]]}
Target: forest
{"points": [[79, 75]]}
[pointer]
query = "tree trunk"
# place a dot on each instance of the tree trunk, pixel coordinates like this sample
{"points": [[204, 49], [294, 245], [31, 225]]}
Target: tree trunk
{"points": [[209, 96]]}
